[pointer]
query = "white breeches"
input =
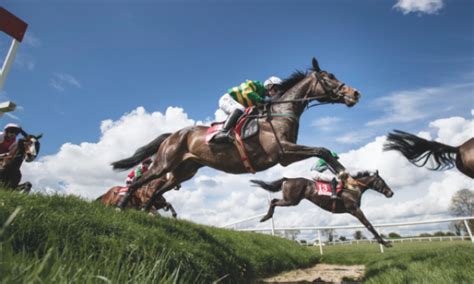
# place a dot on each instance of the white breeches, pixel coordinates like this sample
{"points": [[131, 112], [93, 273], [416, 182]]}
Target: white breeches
{"points": [[324, 176], [228, 104]]}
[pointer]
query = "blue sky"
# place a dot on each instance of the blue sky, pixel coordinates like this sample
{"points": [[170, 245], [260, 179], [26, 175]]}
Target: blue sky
{"points": [[101, 78], [87, 61]]}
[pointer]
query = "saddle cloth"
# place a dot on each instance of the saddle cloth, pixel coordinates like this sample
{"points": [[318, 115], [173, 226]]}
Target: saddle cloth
{"points": [[123, 190], [324, 188], [246, 127]]}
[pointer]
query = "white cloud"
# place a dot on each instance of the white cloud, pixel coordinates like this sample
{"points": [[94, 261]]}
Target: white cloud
{"points": [[419, 6], [414, 105], [60, 81], [326, 123], [216, 198], [31, 40]]}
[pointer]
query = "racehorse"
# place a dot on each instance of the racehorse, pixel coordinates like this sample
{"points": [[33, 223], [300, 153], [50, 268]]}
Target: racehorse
{"points": [[419, 151], [25, 149], [297, 189], [139, 198], [182, 153]]}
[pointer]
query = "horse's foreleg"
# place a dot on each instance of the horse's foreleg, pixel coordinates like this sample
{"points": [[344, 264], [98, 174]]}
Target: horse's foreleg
{"points": [[360, 215], [147, 177], [170, 207], [293, 153], [24, 187]]}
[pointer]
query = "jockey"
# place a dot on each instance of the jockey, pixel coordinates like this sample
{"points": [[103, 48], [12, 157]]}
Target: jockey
{"points": [[320, 172], [237, 99], [138, 171], [8, 137]]}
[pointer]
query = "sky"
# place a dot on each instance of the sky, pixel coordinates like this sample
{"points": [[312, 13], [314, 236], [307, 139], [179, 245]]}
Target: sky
{"points": [[102, 78]]}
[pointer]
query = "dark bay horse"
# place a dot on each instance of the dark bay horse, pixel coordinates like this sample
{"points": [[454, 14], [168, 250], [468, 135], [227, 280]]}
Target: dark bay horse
{"points": [[25, 149], [139, 198], [297, 189], [419, 151], [182, 153]]}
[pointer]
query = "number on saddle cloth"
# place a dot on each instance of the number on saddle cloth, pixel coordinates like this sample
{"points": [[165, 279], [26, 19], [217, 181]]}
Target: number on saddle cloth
{"points": [[324, 188]]}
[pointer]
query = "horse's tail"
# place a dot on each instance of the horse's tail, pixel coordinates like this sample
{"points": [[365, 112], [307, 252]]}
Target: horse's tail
{"points": [[418, 150], [273, 186], [141, 153]]}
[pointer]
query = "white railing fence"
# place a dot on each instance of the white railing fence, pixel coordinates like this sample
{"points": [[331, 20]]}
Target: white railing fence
{"points": [[273, 230]]}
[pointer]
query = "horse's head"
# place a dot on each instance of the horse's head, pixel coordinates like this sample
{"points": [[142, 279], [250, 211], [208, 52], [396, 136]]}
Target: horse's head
{"points": [[32, 146], [327, 88], [375, 181], [379, 184]]}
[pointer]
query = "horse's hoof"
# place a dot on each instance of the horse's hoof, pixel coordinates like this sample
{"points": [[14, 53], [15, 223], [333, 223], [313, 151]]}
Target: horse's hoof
{"points": [[175, 216], [264, 219], [118, 209], [387, 244]]}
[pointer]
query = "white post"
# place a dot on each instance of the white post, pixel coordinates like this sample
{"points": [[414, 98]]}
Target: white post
{"points": [[7, 64], [320, 243], [272, 222], [468, 230]]}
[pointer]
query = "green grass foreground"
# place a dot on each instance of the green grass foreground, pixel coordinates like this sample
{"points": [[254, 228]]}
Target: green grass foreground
{"points": [[56, 239], [417, 262]]}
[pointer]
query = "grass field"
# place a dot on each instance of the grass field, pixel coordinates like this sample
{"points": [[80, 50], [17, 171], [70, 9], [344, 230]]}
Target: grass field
{"points": [[55, 239], [425, 262]]}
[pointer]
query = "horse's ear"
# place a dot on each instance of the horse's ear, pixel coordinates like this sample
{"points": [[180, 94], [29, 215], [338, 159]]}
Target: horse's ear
{"points": [[39, 136], [316, 65], [377, 172]]}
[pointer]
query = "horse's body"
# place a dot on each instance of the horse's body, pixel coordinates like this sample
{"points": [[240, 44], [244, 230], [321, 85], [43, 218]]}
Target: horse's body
{"points": [[182, 153], [419, 151], [139, 198], [297, 189], [25, 149]]}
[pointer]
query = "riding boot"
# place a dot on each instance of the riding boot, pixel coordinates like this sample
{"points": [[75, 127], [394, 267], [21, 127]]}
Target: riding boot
{"points": [[333, 188], [224, 134]]}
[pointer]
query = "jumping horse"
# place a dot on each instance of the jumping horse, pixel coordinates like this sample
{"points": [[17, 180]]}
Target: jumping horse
{"points": [[419, 151], [25, 149], [183, 152], [139, 198], [349, 201]]}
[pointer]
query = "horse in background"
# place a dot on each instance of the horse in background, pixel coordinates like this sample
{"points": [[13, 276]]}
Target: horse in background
{"points": [[25, 149], [349, 201], [419, 151], [139, 198]]}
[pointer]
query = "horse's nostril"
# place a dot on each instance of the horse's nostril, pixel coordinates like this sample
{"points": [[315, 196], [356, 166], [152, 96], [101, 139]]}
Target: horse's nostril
{"points": [[357, 94]]}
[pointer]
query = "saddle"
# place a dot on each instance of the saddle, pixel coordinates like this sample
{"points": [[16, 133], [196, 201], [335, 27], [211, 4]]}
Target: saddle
{"points": [[246, 127]]}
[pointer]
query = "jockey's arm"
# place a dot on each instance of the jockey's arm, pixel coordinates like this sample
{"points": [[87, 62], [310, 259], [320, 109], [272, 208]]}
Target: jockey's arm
{"points": [[324, 176]]}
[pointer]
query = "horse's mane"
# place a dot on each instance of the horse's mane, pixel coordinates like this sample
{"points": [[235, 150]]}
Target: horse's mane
{"points": [[291, 81], [362, 174]]}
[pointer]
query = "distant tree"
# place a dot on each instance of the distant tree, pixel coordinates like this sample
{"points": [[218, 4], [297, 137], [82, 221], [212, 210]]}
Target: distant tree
{"points": [[439, 234], [292, 235], [424, 235], [329, 233], [394, 235], [457, 228], [449, 234], [358, 235], [342, 238], [462, 204]]}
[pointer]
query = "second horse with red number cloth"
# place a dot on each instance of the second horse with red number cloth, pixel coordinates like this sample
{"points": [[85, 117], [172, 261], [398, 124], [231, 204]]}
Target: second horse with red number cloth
{"points": [[182, 153]]}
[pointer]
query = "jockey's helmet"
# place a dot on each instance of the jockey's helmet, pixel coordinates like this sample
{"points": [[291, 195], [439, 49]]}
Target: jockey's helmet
{"points": [[12, 127], [268, 84]]}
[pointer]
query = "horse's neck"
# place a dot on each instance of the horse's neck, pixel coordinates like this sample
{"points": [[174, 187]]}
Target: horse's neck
{"points": [[299, 91], [365, 181], [15, 156]]}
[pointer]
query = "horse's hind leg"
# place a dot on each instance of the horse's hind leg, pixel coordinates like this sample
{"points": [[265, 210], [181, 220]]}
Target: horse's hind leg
{"points": [[183, 172], [24, 187], [278, 202], [170, 207]]}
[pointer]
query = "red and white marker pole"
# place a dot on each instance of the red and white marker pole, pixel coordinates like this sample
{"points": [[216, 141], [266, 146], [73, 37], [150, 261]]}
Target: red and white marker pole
{"points": [[16, 28]]}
